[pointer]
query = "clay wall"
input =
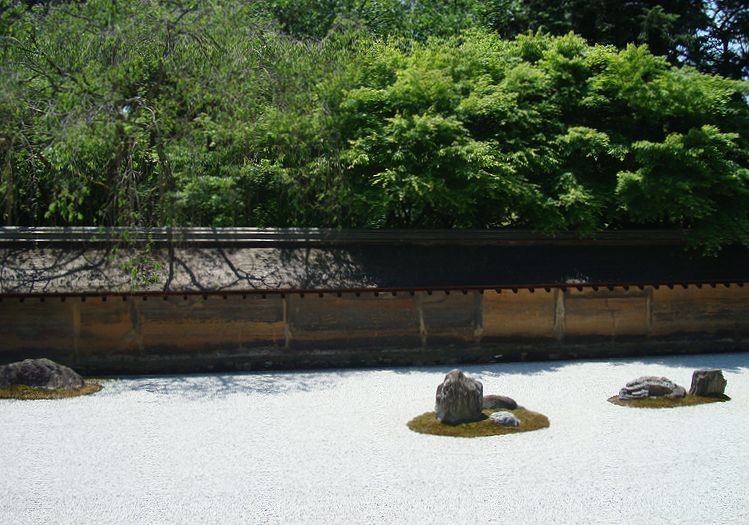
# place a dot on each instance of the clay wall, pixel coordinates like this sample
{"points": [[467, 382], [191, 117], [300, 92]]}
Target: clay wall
{"points": [[213, 331]]}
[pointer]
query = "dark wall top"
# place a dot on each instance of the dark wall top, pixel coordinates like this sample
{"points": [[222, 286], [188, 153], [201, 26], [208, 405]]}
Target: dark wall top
{"points": [[204, 260], [89, 236]]}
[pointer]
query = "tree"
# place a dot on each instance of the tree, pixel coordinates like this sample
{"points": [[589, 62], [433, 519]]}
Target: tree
{"points": [[711, 35], [210, 113], [724, 41]]}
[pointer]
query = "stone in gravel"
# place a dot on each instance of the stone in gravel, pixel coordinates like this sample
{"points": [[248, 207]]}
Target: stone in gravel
{"points": [[708, 382], [39, 373], [459, 399], [651, 386], [506, 419], [493, 401]]}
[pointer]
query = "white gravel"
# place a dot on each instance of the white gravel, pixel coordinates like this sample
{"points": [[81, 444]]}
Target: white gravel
{"points": [[333, 447]]}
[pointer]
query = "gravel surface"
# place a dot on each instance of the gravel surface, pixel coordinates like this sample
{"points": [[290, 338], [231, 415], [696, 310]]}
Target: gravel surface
{"points": [[333, 447]]}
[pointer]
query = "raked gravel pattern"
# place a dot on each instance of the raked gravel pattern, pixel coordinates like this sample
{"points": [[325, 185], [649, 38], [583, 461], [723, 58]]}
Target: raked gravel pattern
{"points": [[333, 447]]}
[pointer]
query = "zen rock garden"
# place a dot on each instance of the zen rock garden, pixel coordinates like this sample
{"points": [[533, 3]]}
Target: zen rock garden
{"points": [[42, 379], [462, 410], [708, 386]]}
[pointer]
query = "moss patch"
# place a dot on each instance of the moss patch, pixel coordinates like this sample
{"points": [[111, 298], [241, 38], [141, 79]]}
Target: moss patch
{"points": [[427, 424], [666, 402], [29, 392]]}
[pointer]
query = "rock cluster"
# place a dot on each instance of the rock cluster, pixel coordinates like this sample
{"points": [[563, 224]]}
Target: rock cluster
{"points": [[494, 401], [459, 399], [651, 386], [39, 373], [506, 419], [708, 382]]}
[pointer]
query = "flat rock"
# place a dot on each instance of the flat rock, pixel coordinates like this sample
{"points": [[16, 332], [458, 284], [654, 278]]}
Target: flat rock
{"points": [[459, 399], [506, 419], [651, 386], [494, 401], [708, 382], [39, 373]]}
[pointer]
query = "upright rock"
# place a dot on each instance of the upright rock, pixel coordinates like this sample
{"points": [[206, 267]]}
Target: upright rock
{"points": [[39, 373], [708, 382], [459, 399], [651, 386]]}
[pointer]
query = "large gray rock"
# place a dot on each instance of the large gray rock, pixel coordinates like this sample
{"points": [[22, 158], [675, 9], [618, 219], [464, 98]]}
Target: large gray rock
{"points": [[493, 401], [708, 382], [459, 399], [506, 419], [39, 373], [651, 386]]}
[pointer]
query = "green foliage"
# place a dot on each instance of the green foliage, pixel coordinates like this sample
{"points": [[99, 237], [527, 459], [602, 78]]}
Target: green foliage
{"points": [[412, 19], [541, 132], [696, 180], [244, 114]]}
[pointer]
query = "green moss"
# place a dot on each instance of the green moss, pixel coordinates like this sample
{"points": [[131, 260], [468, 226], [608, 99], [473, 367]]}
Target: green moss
{"points": [[29, 392], [665, 402], [428, 424]]}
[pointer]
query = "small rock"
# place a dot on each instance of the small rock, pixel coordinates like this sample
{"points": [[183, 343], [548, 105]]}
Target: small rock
{"points": [[679, 391], [708, 382], [39, 373], [506, 419], [651, 386], [459, 399], [492, 401]]}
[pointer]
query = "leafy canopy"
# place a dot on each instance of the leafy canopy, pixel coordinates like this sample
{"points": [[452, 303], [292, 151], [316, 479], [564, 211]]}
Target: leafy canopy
{"points": [[211, 113]]}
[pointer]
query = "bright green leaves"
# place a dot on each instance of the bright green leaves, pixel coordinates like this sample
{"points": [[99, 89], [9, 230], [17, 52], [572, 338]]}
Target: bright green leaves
{"points": [[424, 170], [465, 135], [414, 19], [581, 194], [416, 88], [203, 113], [542, 132], [679, 178], [417, 151], [635, 80], [576, 205], [696, 181], [210, 200]]}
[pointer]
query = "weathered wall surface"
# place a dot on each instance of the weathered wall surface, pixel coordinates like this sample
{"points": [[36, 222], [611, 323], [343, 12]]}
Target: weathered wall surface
{"points": [[78, 261], [214, 332], [170, 300]]}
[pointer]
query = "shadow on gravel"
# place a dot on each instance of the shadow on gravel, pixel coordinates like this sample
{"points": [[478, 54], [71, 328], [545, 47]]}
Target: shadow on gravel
{"points": [[222, 385], [271, 383]]}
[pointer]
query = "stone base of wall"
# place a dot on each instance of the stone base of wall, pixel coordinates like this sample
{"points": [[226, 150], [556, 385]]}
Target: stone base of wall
{"points": [[274, 359], [214, 332]]}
